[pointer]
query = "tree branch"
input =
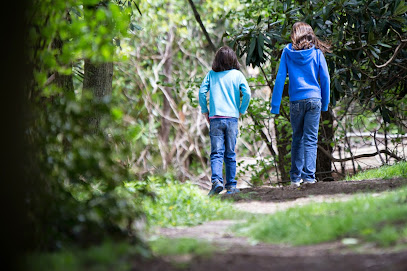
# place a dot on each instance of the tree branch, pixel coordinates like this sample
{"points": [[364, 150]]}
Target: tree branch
{"points": [[198, 19], [333, 159], [399, 47], [264, 136]]}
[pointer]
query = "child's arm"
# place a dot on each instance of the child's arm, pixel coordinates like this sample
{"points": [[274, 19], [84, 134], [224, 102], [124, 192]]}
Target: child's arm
{"points": [[245, 89], [324, 81], [202, 94], [279, 86]]}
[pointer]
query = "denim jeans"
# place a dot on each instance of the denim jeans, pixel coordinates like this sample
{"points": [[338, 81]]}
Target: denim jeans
{"points": [[304, 115], [223, 133]]}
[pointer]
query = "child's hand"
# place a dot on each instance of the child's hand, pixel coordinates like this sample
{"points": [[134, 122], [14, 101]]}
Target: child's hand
{"points": [[207, 116]]}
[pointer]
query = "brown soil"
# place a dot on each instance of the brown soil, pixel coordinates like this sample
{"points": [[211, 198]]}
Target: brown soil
{"points": [[239, 253], [287, 193]]}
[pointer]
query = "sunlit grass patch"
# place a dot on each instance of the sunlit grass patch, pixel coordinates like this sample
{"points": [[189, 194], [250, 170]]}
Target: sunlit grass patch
{"points": [[184, 204], [384, 172], [181, 246], [367, 218]]}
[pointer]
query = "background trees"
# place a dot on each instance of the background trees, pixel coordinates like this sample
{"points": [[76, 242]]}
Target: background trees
{"points": [[367, 65]]}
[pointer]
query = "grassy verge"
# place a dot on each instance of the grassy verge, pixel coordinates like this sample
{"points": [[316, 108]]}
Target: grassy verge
{"points": [[385, 172], [366, 218], [181, 246], [108, 256], [185, 205]]}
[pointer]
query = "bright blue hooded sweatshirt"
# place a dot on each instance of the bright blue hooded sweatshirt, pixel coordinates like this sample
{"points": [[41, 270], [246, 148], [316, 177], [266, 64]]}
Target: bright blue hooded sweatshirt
{"points": [[224, 93], [304, 68]]}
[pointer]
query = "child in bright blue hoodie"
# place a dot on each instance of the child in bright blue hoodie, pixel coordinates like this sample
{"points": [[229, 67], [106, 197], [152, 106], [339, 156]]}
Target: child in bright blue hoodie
{"points": [[304, 61], [229, 97]]}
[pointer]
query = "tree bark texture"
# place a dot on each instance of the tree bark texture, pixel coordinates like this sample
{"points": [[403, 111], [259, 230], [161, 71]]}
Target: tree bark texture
{"points": [[98, 79], [325, 137]]}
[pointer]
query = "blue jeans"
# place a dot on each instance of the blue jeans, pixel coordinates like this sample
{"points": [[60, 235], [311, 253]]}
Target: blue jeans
{"points": [[304, 115], [223, 133]]}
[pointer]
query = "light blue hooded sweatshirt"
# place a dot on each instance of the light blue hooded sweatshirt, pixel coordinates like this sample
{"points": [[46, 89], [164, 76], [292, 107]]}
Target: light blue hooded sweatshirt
{"points": [[224, 93], [304, 68]]}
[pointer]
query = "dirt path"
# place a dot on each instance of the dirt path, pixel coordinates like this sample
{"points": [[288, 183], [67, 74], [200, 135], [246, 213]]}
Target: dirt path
{"points": [[239, 253]]}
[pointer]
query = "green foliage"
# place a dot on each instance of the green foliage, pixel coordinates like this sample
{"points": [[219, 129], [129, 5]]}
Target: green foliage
{"points": [[366, 64], [364, 34], [181, 246], [107, 256], [384, 172], [184, 204], [379, 219], [80, 173], [76, 143]]}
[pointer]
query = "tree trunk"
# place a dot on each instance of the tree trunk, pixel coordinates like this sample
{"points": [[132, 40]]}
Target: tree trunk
{"points": [[325, 137], [98, 79]]}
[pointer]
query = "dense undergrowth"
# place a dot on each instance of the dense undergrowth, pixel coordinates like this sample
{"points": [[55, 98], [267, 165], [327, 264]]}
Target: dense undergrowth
{"points": [[184, 204]]}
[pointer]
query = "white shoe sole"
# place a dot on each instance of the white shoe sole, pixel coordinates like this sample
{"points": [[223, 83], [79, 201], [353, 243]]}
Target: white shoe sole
{"points": [[296, 184], [314, 181]]}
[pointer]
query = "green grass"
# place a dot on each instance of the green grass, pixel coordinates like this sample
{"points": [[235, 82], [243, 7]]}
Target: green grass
{"points": [[108, 256], [384, 172], [185, 205], [181, 246], [378, 219]]}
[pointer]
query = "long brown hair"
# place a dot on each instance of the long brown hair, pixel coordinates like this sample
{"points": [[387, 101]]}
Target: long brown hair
{"points": [[225, 59], [303, 37]]}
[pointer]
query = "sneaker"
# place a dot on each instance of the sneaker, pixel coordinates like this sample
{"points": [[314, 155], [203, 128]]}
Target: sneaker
{"points": [[232, 190], [296, 184], [217, 187], [310, 181]]}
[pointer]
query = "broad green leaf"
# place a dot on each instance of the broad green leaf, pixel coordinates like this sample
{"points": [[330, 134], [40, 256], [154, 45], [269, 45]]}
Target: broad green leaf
{"points": [[383, 44], [259, 20], [401, 8], [252, 47], [374, 54], [260, 45]]}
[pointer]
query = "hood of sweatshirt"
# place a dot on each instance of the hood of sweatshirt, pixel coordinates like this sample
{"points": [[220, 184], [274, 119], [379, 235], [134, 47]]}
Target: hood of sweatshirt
{"points": [[300, 57]]}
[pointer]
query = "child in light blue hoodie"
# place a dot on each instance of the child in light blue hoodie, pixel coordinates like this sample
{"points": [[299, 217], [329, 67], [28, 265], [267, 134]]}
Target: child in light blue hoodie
{"points": [[304, 61], [225, 83]]}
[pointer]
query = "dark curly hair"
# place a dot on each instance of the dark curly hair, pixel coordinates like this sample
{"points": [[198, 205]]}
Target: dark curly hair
{"points": [[225, 59], [303, 37]]}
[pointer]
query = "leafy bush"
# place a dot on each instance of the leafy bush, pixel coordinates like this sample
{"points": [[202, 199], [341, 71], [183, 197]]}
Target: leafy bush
{"points": [[77, 191]]}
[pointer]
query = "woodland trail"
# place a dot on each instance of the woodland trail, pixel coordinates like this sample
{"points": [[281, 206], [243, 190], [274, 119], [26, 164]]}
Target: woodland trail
{"points": [[239, 253]]}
